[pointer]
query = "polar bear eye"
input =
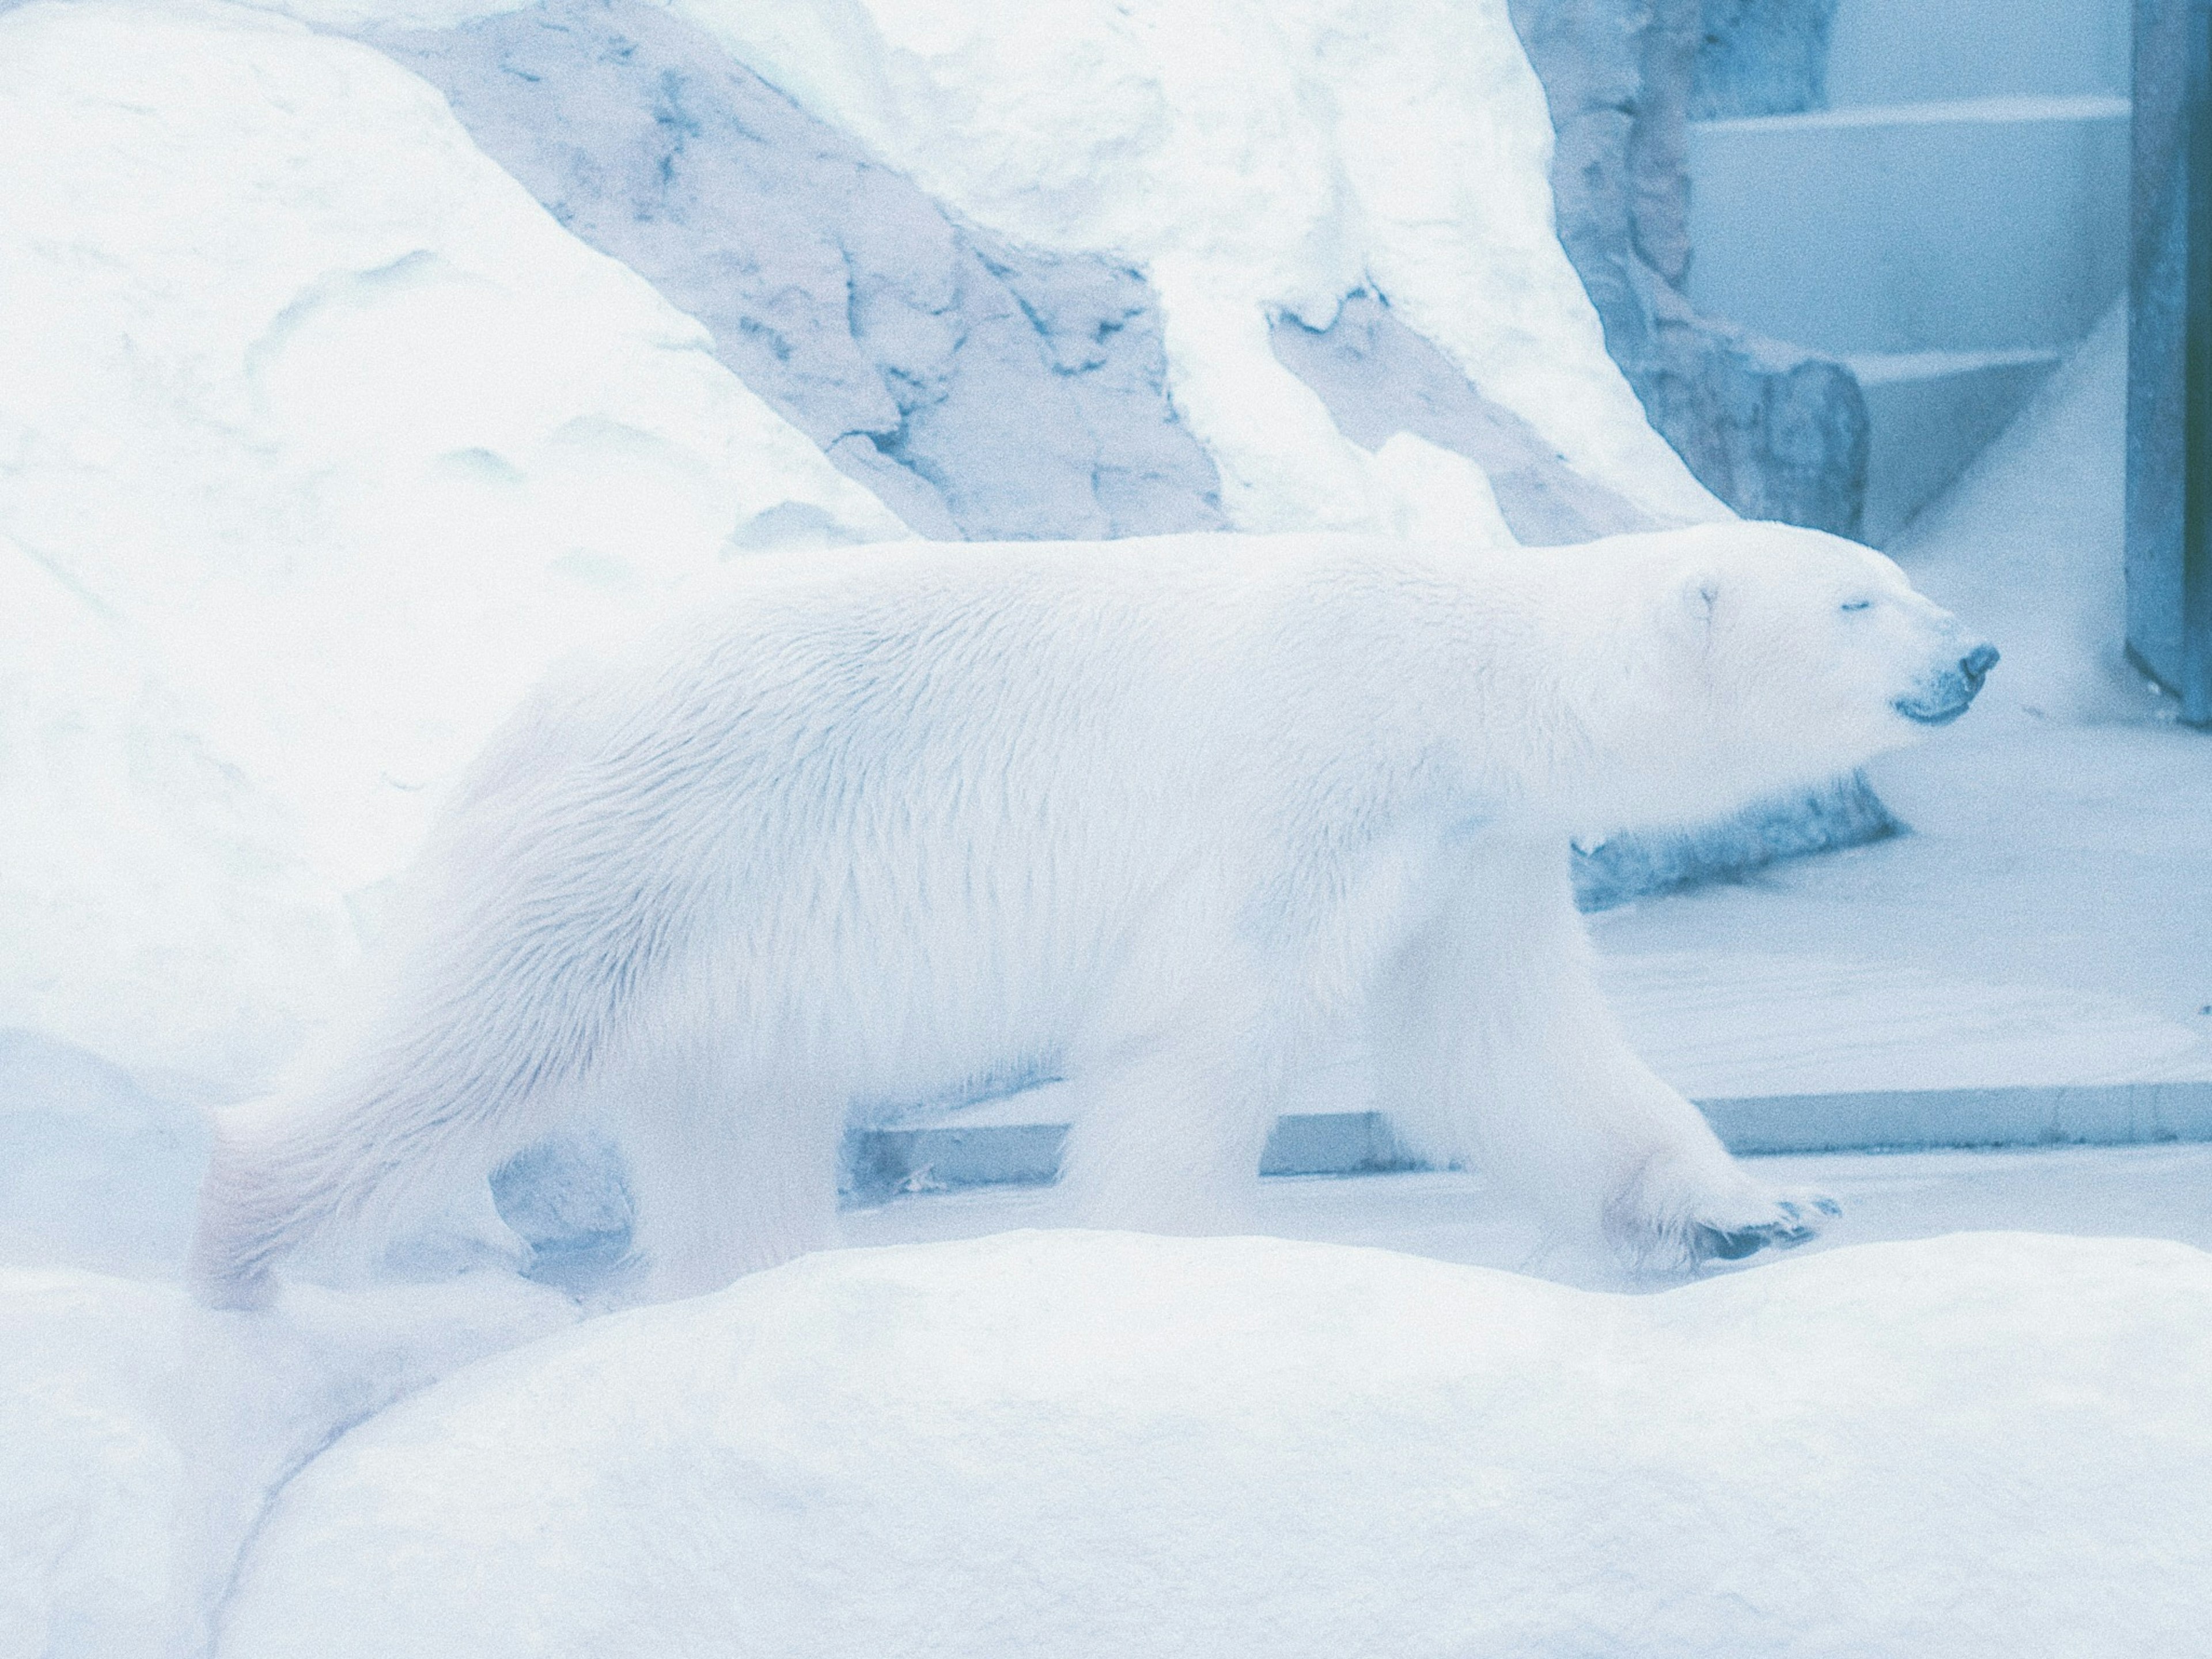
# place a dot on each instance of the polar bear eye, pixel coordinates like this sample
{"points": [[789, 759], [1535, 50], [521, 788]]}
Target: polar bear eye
{"points": [[1857, 605]]}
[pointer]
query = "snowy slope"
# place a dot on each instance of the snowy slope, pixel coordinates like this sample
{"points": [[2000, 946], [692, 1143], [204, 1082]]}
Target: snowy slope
{"points": [[1070, 1443], [1257, 159], [321, 437]]}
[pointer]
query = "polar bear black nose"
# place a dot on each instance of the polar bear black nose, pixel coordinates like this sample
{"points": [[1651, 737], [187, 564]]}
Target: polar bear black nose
{"points": [[1976, 664]]}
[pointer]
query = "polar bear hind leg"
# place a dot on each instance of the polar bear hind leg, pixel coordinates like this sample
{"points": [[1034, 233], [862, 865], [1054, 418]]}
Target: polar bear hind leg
{"points": [[731, 1169], [1494, 1047], [1174, 1084]]}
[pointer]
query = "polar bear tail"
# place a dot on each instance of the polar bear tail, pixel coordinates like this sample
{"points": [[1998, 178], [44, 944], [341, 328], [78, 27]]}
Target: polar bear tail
{"points": [[353, 1161], [248, 1221]]}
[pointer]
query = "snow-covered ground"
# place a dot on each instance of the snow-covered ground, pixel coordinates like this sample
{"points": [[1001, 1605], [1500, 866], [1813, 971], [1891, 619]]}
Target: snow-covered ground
{"points": [[1073, 1444]]}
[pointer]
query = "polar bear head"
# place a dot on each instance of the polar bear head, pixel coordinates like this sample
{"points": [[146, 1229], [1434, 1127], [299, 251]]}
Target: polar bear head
{"points": [[1765, 657]]}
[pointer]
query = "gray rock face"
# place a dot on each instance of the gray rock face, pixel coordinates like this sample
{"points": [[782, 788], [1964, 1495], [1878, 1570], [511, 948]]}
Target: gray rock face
{"points": [[981, 391], [1775, 432], [1762, 58], [1377, 378], [1844, 813]]}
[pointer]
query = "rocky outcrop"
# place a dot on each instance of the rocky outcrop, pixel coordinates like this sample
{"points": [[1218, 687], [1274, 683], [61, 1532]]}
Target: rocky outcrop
{"points": [[1774, 431], [1378, 377], [981, 391], [1761, 57]]}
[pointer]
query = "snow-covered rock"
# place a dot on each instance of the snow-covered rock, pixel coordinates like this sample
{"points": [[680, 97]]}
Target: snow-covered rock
{"points": [[1380, 381], [1071, 1444], [96, 1169], [1255, 158], [319, 437], [140, 1437], [982, 390]]}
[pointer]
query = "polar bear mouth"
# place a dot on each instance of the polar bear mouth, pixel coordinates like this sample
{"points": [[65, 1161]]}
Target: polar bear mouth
{"points": [[1953, 690]]}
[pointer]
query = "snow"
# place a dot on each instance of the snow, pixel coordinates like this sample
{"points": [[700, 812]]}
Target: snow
{"points": [[319, 436], [322, 439], [1046, 1443], [140, 1435], [1257, 159]]}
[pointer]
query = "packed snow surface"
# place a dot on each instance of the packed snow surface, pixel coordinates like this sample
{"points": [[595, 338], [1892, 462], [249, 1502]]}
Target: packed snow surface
{"points": [[140, 1435], [320, 438], [1257, 158], [1085, 1443]]}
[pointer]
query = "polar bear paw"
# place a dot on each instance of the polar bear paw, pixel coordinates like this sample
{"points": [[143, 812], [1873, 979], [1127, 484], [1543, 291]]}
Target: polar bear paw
{"points": [[1797, 1217], [1670, 1218]]}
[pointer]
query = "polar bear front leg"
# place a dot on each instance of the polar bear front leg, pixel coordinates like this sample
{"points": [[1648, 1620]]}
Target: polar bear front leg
{"points": [[1494, 1046]]}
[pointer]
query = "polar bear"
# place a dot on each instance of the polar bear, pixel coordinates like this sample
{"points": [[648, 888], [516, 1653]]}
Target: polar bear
{"points": [[1149, 816]]}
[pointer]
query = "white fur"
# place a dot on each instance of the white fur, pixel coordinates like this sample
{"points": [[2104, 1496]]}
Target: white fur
{"points": [[1148, 814]]}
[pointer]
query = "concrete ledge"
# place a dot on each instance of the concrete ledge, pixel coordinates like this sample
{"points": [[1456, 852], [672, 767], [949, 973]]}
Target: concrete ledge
{"points": [[2089, 1115], [881, 1163]]}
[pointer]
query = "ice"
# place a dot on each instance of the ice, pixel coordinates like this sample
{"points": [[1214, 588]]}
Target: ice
{"points": [[322, 439], [1087, 1443], [1255, 161]]}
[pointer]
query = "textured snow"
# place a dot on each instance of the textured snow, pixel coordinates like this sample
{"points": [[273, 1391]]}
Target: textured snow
{"points": [[1085, 1443], [322, 437], [140, 1435], [1256, 160]]}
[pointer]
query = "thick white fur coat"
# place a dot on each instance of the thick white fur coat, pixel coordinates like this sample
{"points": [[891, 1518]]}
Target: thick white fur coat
{"points": [[1150, 815]]}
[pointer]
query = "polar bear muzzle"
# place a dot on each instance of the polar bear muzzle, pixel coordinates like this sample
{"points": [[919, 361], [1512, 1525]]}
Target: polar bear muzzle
{"points": [[1945, 695]]}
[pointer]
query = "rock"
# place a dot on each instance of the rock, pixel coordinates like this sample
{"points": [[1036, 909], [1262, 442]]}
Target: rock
{"points": [[1844, 813], [1775, 432], [1378, 377], [1762, 58], [980, 390]]}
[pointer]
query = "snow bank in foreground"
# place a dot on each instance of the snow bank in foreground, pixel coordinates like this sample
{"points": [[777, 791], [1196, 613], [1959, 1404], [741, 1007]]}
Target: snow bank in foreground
{"points": [[322, 437], [140, 1435], [1096, 1444], [1257, 157]]}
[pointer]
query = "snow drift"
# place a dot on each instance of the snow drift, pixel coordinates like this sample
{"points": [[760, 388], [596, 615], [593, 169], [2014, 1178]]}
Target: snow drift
{"points": [[1088, 1444], [140, 1437]]}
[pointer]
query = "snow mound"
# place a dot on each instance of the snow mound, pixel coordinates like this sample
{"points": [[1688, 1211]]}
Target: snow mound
{"points": [[321, 438], [1046, 1443], [140, 1437], [95, 1170], [1257, 159]]}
